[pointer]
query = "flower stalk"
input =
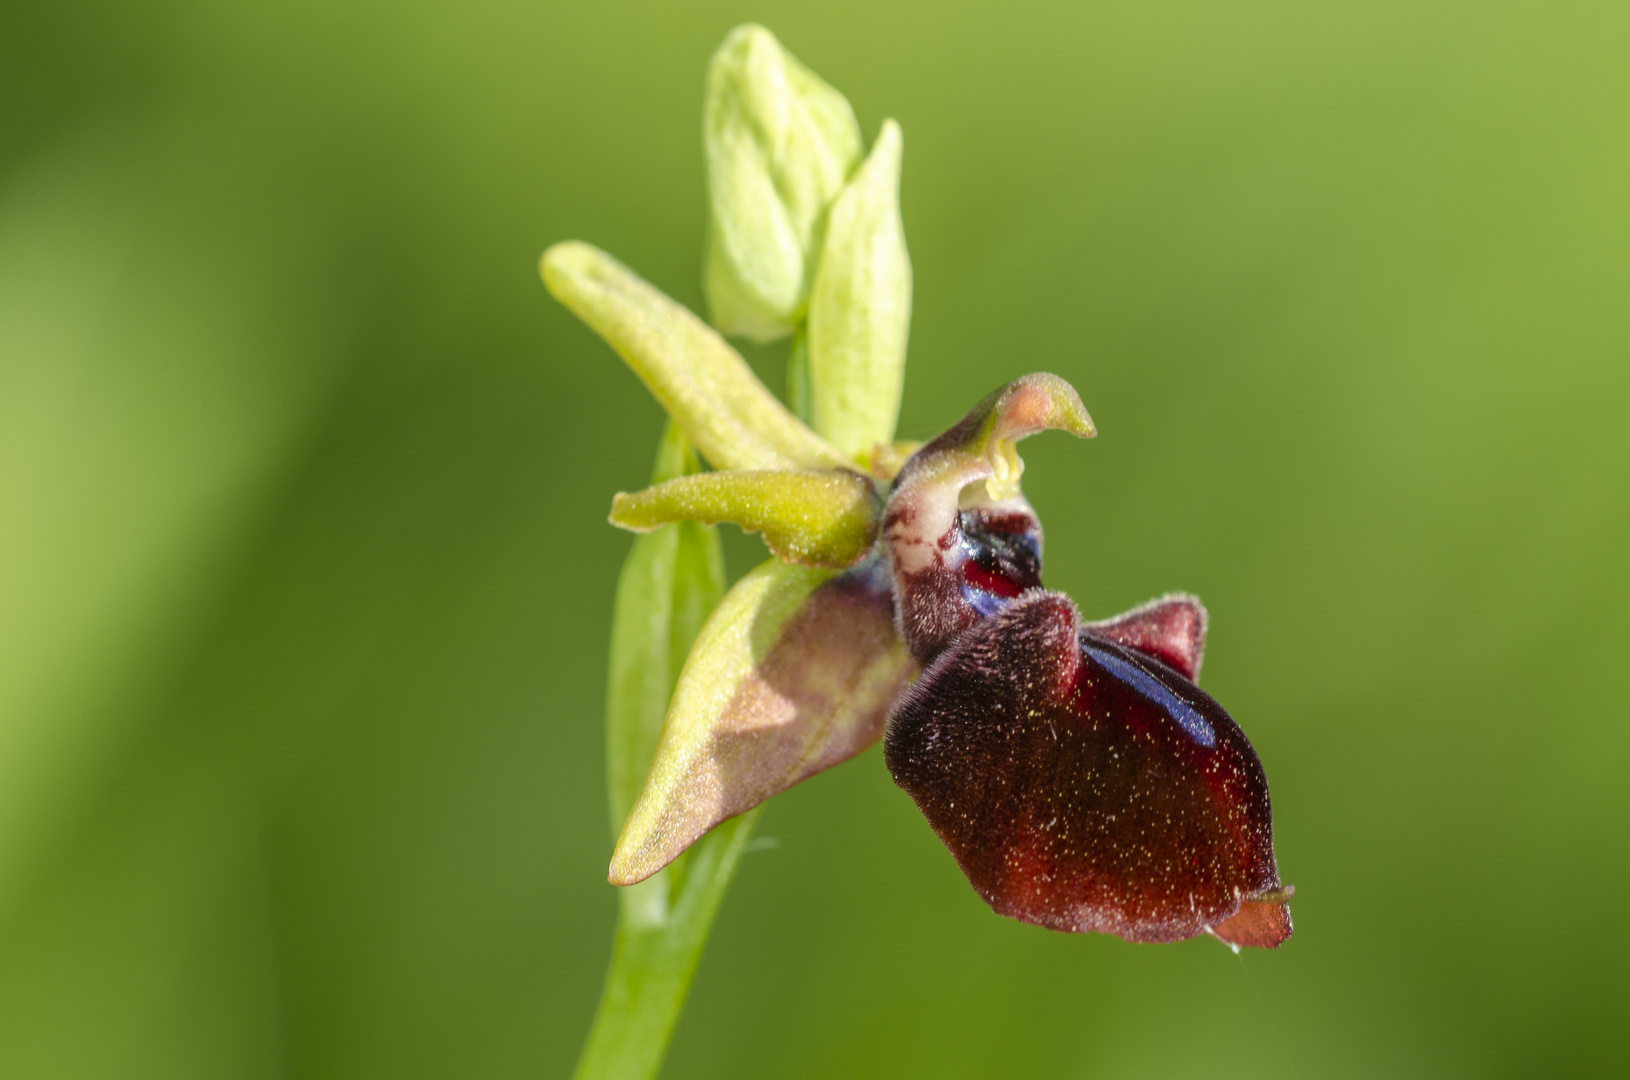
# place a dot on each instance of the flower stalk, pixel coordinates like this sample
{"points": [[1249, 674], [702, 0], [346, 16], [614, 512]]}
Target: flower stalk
{"points": [[1074, 769], [694, 745], [671, 581]]}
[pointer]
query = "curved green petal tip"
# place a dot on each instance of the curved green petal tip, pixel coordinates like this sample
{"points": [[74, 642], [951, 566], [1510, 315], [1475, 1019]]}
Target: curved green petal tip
{"points": [[1032, 403], [1025, 406], [983, 444], [704, 384], [826, 519]]}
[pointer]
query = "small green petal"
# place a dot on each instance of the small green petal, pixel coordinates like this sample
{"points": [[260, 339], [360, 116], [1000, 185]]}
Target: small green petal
{"points": [[826, 518], [779, 143], [704, 384], [795, 672], [860, 311]]}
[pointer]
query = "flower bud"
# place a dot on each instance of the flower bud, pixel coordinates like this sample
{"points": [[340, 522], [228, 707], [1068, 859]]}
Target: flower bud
{"points": [[779, 144]]}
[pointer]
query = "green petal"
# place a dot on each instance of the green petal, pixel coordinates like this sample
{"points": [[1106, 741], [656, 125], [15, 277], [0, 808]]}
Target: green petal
{"points": [[795, 672], [704, 384], [860, 311], [826, 518], [779, 144]]}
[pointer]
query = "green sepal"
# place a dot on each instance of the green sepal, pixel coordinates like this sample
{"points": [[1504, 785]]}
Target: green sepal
{"points": [[795, 672], [705, 385]]}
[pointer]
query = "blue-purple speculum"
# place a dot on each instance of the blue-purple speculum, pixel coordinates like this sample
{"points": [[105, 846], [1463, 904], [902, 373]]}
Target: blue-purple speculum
{"points": [[1077, 773]]}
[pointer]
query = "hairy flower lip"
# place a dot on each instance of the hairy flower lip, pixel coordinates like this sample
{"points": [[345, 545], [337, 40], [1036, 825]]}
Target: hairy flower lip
{"points": [[1170, 628], [1059, 769], [1081, 779]]}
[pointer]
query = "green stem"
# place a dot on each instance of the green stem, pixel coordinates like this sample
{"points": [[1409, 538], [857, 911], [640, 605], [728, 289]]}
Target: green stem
{"points": [[670, 582], [662, 924], [798, 385], [672, 579]]}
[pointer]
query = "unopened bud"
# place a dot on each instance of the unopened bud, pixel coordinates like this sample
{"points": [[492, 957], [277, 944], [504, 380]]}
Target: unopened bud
{"points": [[779, 145]]}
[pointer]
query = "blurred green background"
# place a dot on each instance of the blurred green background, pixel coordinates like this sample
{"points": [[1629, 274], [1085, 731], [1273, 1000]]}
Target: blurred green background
{"points": [[305, 581]]}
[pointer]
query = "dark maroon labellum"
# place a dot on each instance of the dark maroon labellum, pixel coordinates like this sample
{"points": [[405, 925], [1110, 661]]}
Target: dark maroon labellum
{"points": [[1081, 784], [1077, 773]]}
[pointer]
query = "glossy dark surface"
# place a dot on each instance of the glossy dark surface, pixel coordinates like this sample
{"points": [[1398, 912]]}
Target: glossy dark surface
{"points": [[1082, 785], [1171, 629], [1001, 557]]}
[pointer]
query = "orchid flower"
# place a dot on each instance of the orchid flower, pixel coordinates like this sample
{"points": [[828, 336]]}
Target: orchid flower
{"points": [[1075, 770]]}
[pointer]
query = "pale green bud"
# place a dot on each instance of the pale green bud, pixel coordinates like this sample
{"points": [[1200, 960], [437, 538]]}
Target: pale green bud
{"points": [[860, 310], [779, 143]]}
